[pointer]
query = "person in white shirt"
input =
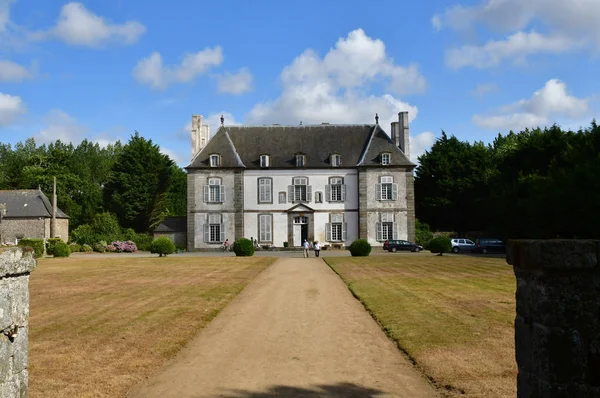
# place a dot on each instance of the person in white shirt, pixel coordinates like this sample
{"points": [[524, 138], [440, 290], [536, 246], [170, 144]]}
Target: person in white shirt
{"points": [[317, 248], [306, 247]]}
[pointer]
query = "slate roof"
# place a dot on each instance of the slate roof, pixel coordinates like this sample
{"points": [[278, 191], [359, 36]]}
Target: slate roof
{"points": [[28, 203], [173, 224], [357, 145]]}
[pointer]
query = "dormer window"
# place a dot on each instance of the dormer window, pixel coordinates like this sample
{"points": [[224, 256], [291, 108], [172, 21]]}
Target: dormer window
{"points": [[215, 160], [300, 160], [335, 160], [264, 160], [385, 158]]}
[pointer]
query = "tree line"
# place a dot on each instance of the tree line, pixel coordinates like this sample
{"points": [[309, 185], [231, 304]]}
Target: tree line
{"points": [[539, 183], [134, 181]]}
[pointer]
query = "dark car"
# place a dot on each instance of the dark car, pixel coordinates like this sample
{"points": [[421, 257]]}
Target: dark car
{"points": [[489, 245], [403, 245]]}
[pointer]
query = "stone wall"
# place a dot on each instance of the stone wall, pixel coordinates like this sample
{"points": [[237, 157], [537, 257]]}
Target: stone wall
{"points": [[15, 266], [557, 326]]}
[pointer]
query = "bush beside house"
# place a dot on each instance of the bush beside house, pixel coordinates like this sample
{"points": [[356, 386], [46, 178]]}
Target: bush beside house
{"points": [[162, 246], [440, 245], [243, 247], [360, 248]]}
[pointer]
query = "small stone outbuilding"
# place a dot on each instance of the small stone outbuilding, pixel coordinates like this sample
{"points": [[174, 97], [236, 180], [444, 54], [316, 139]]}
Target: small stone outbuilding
{"points": [[29, 215], [174, 228]]}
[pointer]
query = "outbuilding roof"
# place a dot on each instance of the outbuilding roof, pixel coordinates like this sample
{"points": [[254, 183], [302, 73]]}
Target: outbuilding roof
{"points": [[28, 203]]}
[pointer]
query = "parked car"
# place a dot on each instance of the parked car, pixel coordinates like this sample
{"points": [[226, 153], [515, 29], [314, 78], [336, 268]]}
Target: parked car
{"points": [[490, 245], [462, 245], [403, 245]]}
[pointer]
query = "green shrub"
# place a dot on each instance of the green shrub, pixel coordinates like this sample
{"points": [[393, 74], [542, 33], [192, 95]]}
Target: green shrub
{"points": [[162, 246], [106, 227], [243, 247], [423, 234], [360, 248], [84, 235], [61, 249], [36, 244], [440, 244], [75, 248], [50, 242], [100, 248], [143, 241], [86, 248]]}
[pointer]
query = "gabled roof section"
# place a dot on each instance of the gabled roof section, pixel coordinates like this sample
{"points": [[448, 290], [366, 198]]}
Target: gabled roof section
{"points": [[220, 144], [173, 224], [281, 143], [28, 203], [378, 143], [300, 207]]}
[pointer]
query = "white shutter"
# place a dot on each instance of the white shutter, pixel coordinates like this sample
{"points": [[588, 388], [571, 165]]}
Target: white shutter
{"points": [[222, 193], [394, 191], [269, 237], [379, 231], [261, 228], [222, 230], [291, 198], [328, 193], [328, 232], [309, 193], [206, 231], [344, 231], [343, 192], [395, 230], [206, 194], [378, 189], [268, 193]]}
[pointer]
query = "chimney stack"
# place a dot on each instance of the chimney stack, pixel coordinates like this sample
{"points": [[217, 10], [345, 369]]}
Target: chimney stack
{"points": [[200, 134], [400, 133], [54, 207]]}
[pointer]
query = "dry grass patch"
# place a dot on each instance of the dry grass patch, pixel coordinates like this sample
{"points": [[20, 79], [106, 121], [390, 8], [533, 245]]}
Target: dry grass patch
{"points": [[453, 315], [98, 326]]}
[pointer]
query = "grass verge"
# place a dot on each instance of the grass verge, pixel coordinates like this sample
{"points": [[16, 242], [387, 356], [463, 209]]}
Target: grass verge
{"points": [[452, 315], [99, 326]]}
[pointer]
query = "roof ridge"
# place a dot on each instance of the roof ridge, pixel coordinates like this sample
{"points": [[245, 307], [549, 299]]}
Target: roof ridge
{"points": [[300, 125], [362, 155], [237, 156]]}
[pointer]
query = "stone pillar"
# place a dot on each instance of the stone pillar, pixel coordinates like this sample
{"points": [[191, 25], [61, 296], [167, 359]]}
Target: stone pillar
{"points": [[15, 266], [557, 326]]}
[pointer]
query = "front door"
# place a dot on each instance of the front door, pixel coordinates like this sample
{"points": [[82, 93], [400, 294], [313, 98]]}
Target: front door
{"points": [[297, 235], [300, 230]]}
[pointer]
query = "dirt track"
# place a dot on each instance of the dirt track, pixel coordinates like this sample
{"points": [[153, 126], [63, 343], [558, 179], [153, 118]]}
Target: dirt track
{"points": [[295, 331]]}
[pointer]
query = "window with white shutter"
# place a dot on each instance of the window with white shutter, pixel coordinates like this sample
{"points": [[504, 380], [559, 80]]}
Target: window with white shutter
{"points": [[337, 189], [300, 191], [214, 231], [337, 227], [214, 192], [265, 190], [264, 160], [281, 197], [386, 227], [215, 160], [386, 188], [265, 226]]}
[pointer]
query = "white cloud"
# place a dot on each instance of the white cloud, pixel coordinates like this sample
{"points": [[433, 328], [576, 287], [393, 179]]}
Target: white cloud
{"points": [[569, 25], [334, 88], [76, 25], [235, 83], [515, 47], [151, 70], [10, 108], [59, 125], [544, 107], [5, 13], [13, 72], [484, 88], [176, 155], [419, 144]]}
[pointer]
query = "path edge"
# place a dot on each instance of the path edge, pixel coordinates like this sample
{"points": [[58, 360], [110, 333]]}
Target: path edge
{"points": [[431, 380]]}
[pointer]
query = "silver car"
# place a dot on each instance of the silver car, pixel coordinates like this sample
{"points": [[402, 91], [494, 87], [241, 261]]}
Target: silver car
{"points": [[462, 245]]}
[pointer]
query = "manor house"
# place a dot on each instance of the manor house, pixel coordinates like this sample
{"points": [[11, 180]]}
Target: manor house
{"points": [[328, 182]]}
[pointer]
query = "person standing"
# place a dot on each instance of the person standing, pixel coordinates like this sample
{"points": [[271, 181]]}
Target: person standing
{"points": [[317, 248], [306, 247]]}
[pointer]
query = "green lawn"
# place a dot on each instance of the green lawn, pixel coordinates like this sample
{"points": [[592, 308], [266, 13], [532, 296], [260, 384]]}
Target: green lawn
{"points": [[452, 315]]}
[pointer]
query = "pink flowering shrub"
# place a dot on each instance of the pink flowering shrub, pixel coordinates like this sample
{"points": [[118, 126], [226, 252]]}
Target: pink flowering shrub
{"points": [[127, 246], [111, 248]]}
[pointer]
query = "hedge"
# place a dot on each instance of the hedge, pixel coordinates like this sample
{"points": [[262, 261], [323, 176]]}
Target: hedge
{"points": [[36, 244]]}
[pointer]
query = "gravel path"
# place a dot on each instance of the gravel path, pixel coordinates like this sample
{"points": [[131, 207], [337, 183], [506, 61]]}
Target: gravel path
{"points": [[295, 331]]}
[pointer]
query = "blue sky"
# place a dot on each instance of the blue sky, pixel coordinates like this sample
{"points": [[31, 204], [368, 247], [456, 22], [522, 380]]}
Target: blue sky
{"points": [[102, 69]]}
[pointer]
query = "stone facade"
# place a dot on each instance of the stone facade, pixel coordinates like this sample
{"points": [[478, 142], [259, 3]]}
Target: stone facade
{"points": [[557, 326], [13, 229], [15, 266]]}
